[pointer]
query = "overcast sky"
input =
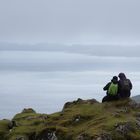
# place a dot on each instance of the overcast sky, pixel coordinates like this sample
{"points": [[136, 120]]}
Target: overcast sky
{"points": [[70, 21], [60, 50]]}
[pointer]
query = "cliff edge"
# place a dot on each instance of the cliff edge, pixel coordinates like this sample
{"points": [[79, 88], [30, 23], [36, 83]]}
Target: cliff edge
{"points": [[78, 120]]}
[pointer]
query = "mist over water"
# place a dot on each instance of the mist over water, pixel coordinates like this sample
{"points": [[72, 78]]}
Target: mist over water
{"points": [[55, 51], [44, 80]]}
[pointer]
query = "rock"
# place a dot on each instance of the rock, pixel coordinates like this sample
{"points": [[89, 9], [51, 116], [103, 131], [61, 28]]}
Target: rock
{"points": [[134, 104], [12, 124], [76, 118], [80, 101], [123, 110], [86, 119], [84, 136], [80, 137], [138, 120], [124, 128], [116, 114], [138, 123], [37, 117], [137, 114], [47, 135], [92, 101], [103, 136], [28, 110], [21, 138], [66, 105], [52, 136]]}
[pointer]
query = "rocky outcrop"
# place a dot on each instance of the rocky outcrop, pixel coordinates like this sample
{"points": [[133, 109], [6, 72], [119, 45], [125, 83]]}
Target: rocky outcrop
{"points": [[84, 136], [47, 134], [79, 120], [104, 136], [124, 128], [12, 124], [80, 101], [28, 110], [21, 138]]}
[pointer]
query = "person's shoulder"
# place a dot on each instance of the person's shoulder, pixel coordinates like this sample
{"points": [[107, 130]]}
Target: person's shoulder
{"points": [[107, 86], [128, 80]]}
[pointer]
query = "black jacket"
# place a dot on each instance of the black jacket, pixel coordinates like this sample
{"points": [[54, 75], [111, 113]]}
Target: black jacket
{"points": [[122, 93], [108, 85]]}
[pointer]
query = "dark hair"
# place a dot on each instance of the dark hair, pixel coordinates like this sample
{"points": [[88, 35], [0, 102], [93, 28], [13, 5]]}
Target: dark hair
{"points": [[115, 78], [121, 75]]}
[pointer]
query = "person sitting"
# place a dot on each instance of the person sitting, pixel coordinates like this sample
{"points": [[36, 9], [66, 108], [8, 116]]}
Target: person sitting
{"points": [[112, 90], [125, 86]]}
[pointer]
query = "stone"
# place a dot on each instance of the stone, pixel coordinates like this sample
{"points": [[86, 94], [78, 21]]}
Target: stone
{"points": [[41, 117], [80, 101], [80, 137], [103, 136], [134, 104], [12, 124], [28, 110], [77, 118], [137, 114], [83, 137], [138, 123], [116, 114], [21, 138], [47, 135], [124, 128]]}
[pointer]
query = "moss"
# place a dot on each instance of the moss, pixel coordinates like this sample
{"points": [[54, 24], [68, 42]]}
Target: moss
{"points": [[23, 115], [4, 128], [86, 119]]}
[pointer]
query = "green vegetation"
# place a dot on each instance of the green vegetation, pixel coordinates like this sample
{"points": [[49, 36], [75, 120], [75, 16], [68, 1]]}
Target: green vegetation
{"points": [[80, 119], [4, 128]]}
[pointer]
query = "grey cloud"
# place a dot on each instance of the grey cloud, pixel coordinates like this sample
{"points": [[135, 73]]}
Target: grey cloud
{"points": [[94, 50], [70, 21], [87, 43], [60, 61]]}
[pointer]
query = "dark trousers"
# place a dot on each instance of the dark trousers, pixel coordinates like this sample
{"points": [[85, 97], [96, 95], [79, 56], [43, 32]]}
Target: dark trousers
{"points": [[124, 94], [108, 98]]}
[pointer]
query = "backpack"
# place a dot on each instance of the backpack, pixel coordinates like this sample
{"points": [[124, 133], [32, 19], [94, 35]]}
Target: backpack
{"points": [[113, 89], [125, 84]]}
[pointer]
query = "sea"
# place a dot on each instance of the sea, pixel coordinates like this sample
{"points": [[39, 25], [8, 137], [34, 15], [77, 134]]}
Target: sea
{"points": [[45, 79]]}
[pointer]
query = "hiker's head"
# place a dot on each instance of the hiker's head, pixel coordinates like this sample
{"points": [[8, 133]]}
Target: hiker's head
{"points": [[122, 76], [114, 79]]}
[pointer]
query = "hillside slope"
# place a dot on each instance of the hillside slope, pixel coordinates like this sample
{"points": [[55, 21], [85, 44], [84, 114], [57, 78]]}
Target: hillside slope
{"points": [[136, 98], [79, 120]]}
